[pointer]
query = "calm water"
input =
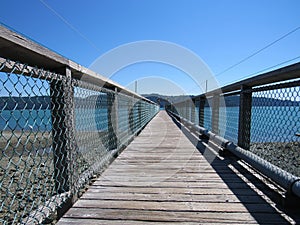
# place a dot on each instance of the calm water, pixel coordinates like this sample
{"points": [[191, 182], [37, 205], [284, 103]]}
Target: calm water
{"points": [[25, 119], [275, 124], [269, 124], [40, 120]]}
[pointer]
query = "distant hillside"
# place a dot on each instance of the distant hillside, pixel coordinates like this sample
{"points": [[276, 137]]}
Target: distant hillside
{"points": [[162, 100], [43, 102]]}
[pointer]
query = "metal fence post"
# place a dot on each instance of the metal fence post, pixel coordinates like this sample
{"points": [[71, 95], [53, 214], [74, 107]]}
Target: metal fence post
{"points": [[245, 117], [201, 111], [215, 113], [63, 134]]}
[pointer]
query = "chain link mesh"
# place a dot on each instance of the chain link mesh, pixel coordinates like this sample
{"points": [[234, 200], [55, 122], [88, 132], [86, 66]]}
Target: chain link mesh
{"points": [[274, 124], [26, 140], [55, 134], [188, 110], [229, 118], [207, 114]]}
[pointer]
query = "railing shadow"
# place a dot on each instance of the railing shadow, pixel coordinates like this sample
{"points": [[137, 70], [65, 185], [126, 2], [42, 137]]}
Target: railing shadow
{"points": [[261, 210]]}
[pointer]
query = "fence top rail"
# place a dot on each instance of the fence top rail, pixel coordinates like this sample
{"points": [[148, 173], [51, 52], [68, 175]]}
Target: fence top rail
{"points": [[282, 74], [18, 48]]}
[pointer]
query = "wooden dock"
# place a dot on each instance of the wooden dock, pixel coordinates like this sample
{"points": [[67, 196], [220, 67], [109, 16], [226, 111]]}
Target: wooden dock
{"points": [[162, 178]]}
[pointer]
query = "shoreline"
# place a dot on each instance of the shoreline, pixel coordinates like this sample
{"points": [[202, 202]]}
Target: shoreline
{"points": [[284, 155]]}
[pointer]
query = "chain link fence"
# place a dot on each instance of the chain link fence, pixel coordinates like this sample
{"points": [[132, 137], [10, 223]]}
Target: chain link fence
{"points": [[275, 125], [207, 114], [56, 134], [264, 119], [229, 118]]}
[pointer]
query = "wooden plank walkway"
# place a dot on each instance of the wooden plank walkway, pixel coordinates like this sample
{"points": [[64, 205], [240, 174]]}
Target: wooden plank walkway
{"points": [[162, 178]]}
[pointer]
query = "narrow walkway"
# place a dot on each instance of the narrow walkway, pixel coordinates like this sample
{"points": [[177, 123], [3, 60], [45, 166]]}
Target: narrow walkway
{"points": [[161, 177]]}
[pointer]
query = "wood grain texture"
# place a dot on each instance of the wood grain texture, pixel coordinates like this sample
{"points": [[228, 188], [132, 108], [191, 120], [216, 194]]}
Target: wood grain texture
{"points": [[162, 178]]}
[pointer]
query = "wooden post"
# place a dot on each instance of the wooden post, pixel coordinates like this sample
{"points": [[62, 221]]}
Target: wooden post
{"points": [[180, 107], [215, 113], [245, 117], [139, 114], [193, 102], [63, 134], [63, 128], [112, 118], [201, 111], [129, 113], [135, 115], [116, 117], [189, 110], [186, 112]]}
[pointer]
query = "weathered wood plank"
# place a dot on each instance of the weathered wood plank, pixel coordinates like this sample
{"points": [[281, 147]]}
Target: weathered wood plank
{"points": [[157, 181], [175, 206], [167, 197], [162, 178], [184, 189], [171, 216], [84, 221], [166, 187]]}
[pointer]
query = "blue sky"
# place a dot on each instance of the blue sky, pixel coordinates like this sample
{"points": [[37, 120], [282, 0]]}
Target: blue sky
{"points": [[221, 33]]}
